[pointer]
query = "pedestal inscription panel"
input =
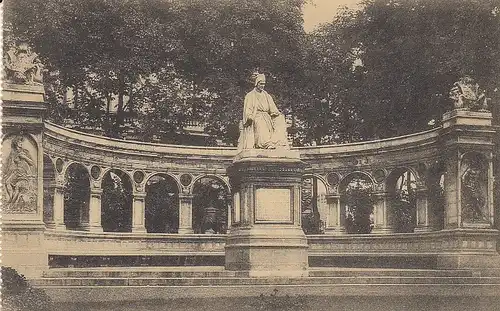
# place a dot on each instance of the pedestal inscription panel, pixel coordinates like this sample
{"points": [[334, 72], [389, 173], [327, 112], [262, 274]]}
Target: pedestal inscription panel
{"points": [[273, 205]]}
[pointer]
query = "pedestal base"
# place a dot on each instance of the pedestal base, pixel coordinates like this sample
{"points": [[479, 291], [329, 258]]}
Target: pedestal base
{"points": [[266, 239], [267, 252]]}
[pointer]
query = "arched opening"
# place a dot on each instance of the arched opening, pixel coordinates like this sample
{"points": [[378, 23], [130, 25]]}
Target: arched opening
{"points": [[76, 197], [313, 205], [48, 189], [116, 210], [210, 206], [357, 203], [162, 204], [402, 186]]}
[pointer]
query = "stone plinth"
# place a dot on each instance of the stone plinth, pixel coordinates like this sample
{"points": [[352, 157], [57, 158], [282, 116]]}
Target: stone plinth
{"points": [[22, 185], [266, 238]]}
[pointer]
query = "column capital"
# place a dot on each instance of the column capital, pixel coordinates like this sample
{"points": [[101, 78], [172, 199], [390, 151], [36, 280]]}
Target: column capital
{"points": [[186, 196], [96, 191], [139, 194]]}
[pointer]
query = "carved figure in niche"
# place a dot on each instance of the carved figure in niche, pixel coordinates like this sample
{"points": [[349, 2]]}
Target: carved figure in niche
{"points": [[473, 199], [19, 178], [466, 94], [263, 125], [22, 66]]}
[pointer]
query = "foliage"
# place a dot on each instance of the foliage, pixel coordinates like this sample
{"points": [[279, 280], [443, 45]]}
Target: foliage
{"points": [[210, 193], [410, 53], [162, 201], [359, 202], [404, 212], [116, 202], [382, 70], [76, 195], [17, 294]]}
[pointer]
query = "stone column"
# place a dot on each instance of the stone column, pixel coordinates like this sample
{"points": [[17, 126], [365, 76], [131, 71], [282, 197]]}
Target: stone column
{"points": [[335, 218], [382, 218], [185, 213], [139, 212], [94, 223], [425, 219]]}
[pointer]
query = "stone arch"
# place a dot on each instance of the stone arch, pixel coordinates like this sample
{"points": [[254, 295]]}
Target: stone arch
{"points": [[210, 204], [116, 201], [314, 208], [401, 186], [162, 203], [170, 175], [356, 202], [76, 196], [214, 176], [49, 180]]}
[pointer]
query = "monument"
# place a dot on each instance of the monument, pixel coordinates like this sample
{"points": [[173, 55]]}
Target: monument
{"points": [[266, 238], [22, 159]]}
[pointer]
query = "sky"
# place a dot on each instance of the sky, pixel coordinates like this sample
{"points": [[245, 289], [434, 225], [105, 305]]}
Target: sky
{"points": [[322, 11]]}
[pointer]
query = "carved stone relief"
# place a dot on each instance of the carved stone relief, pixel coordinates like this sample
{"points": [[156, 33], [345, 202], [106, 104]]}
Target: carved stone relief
{"points": [[474, 189], [19, 175], [22, 66]]}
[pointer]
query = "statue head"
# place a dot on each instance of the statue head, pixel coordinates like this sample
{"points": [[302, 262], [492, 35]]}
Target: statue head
{"points": [[260, 82]]}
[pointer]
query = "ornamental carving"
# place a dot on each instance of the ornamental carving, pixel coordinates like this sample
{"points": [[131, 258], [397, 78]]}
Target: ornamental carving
{"points": [[474, 190], [22, 66], [466, 94], [19, 175], [333, 179]]}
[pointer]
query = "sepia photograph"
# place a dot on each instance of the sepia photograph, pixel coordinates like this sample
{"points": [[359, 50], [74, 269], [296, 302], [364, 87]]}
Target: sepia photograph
{"points": [[326, 155]]}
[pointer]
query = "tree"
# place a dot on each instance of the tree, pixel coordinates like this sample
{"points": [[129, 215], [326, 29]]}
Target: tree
{"points": [[408, 55]]}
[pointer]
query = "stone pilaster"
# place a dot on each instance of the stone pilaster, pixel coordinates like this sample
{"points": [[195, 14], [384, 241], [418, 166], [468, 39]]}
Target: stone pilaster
{"points": [[382, 218], [57, 221], [185, 213], [425, 219], [139, 212], [335, 218], [94, 222]]}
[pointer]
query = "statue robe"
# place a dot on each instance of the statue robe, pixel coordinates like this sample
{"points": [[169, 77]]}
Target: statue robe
{"points": [[268, 126]]}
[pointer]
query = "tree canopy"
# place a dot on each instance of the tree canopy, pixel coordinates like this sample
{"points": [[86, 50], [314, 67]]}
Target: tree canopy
{"points": [[380, 70]]}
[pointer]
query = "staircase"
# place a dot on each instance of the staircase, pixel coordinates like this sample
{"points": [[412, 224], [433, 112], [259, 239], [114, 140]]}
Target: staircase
{"points": [[129, 283]]}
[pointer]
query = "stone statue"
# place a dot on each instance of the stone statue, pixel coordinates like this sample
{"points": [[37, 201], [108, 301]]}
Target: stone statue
{"points": [[19, 179], [263, 126], [466, 94], [22, 66]]}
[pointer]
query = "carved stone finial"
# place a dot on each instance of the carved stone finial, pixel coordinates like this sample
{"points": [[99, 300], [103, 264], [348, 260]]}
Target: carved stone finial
{"points": [[467, 95], [22, 66]]}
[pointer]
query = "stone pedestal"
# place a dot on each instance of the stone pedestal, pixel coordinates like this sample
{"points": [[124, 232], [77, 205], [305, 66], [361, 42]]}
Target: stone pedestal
{"points": [[22, 185], [266, 239]]}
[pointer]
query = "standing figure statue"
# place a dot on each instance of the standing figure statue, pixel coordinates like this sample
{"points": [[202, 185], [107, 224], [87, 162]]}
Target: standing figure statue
{"points": [[263, 126]]}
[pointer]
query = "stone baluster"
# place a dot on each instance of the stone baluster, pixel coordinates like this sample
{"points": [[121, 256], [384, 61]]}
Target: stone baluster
{"points": [[335, 218], [139, 211], [185, 213]]}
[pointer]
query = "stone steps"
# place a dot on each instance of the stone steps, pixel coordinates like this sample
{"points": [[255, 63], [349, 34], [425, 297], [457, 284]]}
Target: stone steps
{"points": [[208, 272], [79, 282]]}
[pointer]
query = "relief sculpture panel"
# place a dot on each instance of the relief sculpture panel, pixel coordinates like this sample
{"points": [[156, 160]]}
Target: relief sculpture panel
{"points": [[19, 175], [474, 190]]}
